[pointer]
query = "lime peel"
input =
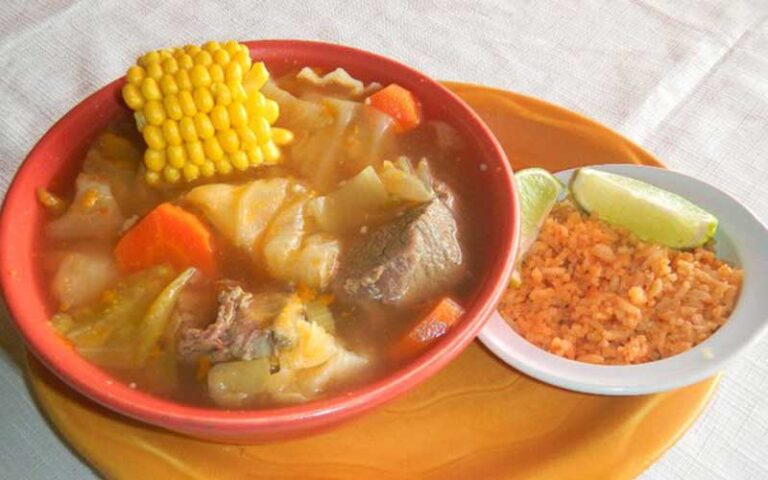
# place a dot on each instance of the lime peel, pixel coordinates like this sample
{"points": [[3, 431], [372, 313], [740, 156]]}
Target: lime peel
{"points": [[651, 213], [538, 191]]}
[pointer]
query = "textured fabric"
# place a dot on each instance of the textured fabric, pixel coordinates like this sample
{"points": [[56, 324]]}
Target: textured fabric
{"points": [[686, 79]]}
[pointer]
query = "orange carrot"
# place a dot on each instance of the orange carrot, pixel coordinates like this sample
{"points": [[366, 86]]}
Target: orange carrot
{"points": [[434, 325], [398, 103], [167, 234]]}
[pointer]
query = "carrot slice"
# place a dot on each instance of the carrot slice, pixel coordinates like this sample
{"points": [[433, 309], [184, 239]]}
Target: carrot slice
{"points": [[167, 234], [398, 103], [434, 325]]}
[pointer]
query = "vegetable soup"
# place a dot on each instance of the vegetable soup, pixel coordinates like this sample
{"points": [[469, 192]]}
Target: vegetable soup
{"points": [[245, 241]]}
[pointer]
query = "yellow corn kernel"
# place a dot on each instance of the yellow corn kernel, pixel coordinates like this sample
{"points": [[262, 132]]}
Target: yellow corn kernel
{"points": [[207, 169], [135, 75], [153, 136], [149, 57], [271, 111], [164, 53], [187, 103], [282, 136], [261, 129], [168, 85], [154, 70], [224, 167], [185, 61], [171, 132], [187, 129], [141, 122], [173, 108], [182, 80], [195, 152], [271, 153], [232, 47], [238, 92], [200, 76], [191, 172], [213, 150], [255, 157], [192, 50], [217, 72], [234, 72], [154, 159], [238, 116], [228, 140], [171, 175], [203, 58], [221, 93], [239, 160], [154, 112], [170, 66], [132, 97], [211, 46], [221, 57], [176, 156], [255, 103], [203, 99], [248, 139], [257, 77], [220, 117], [203, 126], [152, 178], [149, 89], [243, 58]]}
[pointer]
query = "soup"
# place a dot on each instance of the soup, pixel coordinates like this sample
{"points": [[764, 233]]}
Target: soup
{"points": [[243, 241]]}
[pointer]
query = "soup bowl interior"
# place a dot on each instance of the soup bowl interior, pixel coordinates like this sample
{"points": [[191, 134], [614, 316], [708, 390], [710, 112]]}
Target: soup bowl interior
{"points": [[487, 186]]}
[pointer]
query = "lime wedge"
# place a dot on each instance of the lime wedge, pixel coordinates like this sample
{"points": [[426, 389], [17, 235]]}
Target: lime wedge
{"points": [[653, 214], [538, 191]]}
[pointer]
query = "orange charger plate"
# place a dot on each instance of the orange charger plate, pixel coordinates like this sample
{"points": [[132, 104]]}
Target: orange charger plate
{"points": [[478, 418]]}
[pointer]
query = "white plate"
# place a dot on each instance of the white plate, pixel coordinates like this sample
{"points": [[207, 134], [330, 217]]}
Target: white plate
{"points": [[741, 240]]}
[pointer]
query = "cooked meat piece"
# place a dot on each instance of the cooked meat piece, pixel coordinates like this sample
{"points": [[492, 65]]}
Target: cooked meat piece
{"points": [[239, 330], [406, 260]]}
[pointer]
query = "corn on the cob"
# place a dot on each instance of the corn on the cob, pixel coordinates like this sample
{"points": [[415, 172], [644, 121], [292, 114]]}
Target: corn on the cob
{"points": [[201, 113]]}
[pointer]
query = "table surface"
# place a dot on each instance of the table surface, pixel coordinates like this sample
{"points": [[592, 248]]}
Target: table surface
{"points": [[688, 80]]}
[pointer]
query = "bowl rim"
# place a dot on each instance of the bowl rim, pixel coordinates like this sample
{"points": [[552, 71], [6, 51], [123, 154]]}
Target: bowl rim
{"points": [[698, 363], [112, 393]]}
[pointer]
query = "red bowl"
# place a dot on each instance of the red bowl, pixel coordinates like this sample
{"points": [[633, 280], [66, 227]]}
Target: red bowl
{"points": [[487, 185]]}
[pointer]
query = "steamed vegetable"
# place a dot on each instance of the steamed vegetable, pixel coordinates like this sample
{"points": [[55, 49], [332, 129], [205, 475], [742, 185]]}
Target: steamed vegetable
{"points": [[156, 319], [81, 277], [117, 161], [335, 138], [434, 325], [167, 234], [338, 77], [105, 332], [404, 183], [398, 103], [93, 214], [240, 212], [291, 254], [352, 204], [233, 384]]}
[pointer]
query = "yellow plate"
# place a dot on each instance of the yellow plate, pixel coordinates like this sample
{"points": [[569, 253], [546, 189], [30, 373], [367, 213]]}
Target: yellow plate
{"points": [[478, 418]]}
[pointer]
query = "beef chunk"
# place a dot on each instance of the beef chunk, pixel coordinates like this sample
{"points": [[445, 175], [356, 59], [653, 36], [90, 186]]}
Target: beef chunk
{"points": [[406, 260], [239, 331]]}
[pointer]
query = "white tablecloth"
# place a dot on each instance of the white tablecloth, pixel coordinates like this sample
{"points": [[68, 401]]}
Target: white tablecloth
{"points": [[688, 80]]}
